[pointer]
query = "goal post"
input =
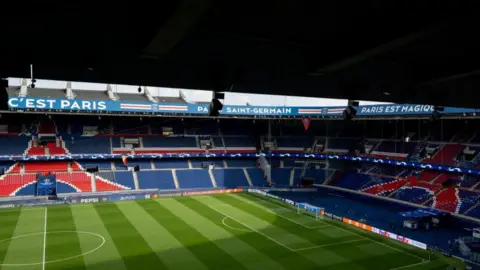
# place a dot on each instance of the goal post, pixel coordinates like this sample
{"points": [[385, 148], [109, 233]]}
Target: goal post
{"points": [[305, 208]]}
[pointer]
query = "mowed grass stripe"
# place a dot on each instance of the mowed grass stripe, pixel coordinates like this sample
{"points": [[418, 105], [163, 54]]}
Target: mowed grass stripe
{"points": [[62, 240], [8, 223], [318, 238], [207, 252], [265, 227], [170, 251], [27, 248], [374, 238], [351, 254], [276, 253], [329, 257], [218, 234], [135, 252], [107, 257]]}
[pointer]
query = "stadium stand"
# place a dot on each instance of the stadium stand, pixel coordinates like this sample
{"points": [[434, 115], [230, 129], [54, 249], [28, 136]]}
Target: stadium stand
{"points": [[156, 179], [194, 179], [230, 178]]}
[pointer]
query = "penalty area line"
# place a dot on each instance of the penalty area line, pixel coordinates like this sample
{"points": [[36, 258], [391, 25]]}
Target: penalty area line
{"points": [[254, 230]]}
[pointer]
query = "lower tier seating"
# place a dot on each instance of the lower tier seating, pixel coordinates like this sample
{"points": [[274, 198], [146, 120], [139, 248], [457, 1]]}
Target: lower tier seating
{"points": [[230, 178], [17, 184], [257, 177], [194, 179], [156, 179]]}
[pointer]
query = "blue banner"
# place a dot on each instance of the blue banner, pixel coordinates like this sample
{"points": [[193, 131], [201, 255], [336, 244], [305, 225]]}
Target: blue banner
{"points": [[79, 105], [414, 165]]}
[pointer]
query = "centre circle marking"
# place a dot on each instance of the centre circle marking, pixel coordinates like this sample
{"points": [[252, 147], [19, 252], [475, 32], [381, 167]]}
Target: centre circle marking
{"points": [[59, 260]]}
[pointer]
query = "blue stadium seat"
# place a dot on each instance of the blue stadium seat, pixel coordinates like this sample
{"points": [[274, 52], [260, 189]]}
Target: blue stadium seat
{"points": [[102, 164], [123, 178], [88, 145], [119, 166], [64, 188], [170, 164], [194, 179], [156, 179], [238, 142], [144, 164], [257, 177], [13, 145], [198, 163], [295, 142], [116, 143], [28, 190], [280, 177], [169, 142], [241, 163], [230, 178], [217, 141]]}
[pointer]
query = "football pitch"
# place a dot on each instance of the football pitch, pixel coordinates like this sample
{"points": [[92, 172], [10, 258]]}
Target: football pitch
{"points": [[228, 231]]}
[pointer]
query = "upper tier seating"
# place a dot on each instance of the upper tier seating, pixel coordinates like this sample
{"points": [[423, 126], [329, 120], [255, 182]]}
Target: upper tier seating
{"points": [[170, 164], [230, 178], [217, 141], [88, 145], [156, 179], [241, 163], [169, 142], [194, 179], [102, 164], [396, 147], [13, 145], [46, 166], [257, 177], [143, 164], [294, 142], [47, 128], [55, 150], [445, 155], [238, 141], [197, 164], [36, 151]]}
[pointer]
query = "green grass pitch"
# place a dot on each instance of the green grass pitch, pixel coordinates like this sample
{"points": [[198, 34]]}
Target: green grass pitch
{"points": [[228, 231]]}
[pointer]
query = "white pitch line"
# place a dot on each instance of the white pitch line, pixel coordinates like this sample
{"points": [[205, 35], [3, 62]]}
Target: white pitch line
{"points": [[375, 241], [255, 230], [410, 265], [233, 228], [332, 244], [289, 219], [44, 240]]}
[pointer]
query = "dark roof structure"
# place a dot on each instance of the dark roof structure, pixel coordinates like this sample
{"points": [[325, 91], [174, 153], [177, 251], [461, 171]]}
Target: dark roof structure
{"points": [[400, 51]]}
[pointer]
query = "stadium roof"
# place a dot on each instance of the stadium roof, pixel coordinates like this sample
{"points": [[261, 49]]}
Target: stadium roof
{"points": [[419, 52]]}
